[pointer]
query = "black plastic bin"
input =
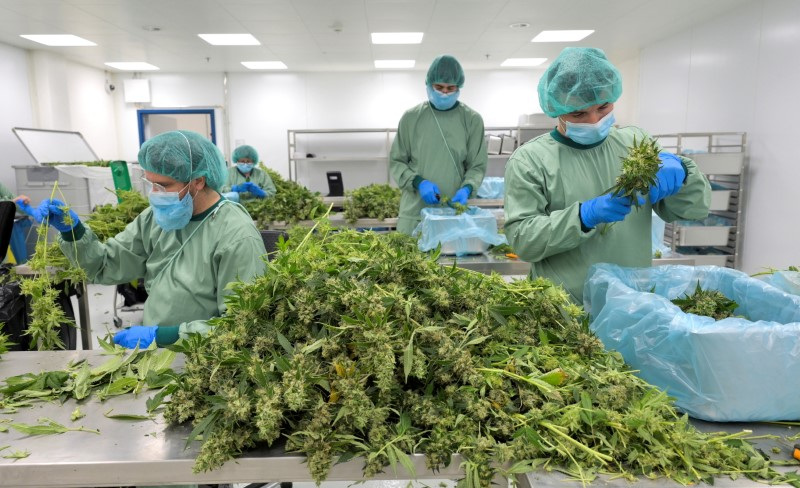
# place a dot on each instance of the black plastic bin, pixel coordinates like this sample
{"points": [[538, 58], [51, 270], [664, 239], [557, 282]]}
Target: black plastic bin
{"points": [[15, 315], [271, 238]]}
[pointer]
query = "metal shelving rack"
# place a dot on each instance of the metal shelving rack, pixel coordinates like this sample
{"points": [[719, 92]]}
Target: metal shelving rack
{"points": [[295, 157], [297, 153], [722, 157]]}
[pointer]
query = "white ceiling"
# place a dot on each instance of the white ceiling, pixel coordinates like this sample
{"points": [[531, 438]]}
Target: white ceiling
{"points": [[301, 34]]}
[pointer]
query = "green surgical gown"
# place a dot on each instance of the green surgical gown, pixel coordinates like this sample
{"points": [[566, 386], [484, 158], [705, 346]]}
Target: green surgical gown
{"points": [[548, 177], [421, 149], [257, 176], [184, 287]]}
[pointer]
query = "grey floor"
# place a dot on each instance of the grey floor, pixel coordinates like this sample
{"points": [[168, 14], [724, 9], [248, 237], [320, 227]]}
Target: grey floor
{"points": [[101, 312]]}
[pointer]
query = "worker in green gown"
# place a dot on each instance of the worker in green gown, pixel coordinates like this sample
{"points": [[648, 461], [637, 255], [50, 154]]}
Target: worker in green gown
{"points": [[188, 245], [440, 148], [245, 179], [556, 200]]}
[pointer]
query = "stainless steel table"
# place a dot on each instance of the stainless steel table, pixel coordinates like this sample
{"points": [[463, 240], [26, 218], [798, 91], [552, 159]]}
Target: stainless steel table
{"points": [[150, 452], [139, 453], [487, 263]]}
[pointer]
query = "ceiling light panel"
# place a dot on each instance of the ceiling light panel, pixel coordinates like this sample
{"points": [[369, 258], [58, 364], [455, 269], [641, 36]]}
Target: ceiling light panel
{"points": [[230, 39], [58, 40], [561, 35], [264, 65], [394, 63], [132, 66], [397, 37]]}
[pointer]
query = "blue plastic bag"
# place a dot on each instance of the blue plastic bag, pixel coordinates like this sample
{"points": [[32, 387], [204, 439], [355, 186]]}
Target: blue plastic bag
{"points": [[472, 232], [731, 370], [492, 187], [657, 229], [788, 281]]}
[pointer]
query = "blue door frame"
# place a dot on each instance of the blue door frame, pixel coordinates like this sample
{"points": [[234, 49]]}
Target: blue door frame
{"points": [[210, 111]]}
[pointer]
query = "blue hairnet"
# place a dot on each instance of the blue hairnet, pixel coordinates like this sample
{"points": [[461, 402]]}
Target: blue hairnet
{"points": [[183, 156], [245, 152], [578, 78], [445, 69]]}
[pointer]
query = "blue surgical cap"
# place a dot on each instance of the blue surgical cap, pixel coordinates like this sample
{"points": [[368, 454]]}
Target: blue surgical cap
{"points": [[578, 78], [445, 69], [183, 156], [248, 152]]}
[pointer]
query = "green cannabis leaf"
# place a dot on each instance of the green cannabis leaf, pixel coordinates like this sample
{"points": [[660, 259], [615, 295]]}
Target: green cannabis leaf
{"points": [[48, 426]]}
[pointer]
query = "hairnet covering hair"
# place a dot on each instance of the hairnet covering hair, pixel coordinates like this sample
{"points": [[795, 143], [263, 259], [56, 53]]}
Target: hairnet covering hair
{"points": [[578, 78], [243, 152], [445, 69], [184, 155]]}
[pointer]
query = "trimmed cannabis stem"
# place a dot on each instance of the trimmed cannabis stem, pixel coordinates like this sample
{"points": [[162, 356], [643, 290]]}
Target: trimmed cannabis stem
{"points": [[639, 168]]}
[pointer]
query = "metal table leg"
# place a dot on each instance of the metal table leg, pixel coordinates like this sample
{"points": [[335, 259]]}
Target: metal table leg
{"points": [[83, 310]]}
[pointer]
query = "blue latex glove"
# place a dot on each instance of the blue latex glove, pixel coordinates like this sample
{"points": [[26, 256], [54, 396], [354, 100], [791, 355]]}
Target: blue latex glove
{"points": [[605, 209], [669, 178], [56, 216], [232, 196], [33, 212], [240, 188], [461, 196], [255, 190], [143, 335], [429, 192]]}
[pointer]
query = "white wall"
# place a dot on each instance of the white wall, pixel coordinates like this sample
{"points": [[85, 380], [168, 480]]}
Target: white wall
{"points": [[191, 90], [739, 72], [263, 106], [16, 111]]}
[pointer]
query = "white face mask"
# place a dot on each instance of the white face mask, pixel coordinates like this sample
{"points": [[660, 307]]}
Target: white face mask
{"points": [[588, 134]]}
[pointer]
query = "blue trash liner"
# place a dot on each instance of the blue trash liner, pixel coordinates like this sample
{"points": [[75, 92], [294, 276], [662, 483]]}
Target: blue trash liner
{"points": [[472, 232], [731, 370], [492, 187], [788, 281]]}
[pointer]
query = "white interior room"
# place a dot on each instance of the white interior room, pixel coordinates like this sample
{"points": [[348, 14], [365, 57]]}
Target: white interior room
{"points": [[711, 66], [688, 66]]}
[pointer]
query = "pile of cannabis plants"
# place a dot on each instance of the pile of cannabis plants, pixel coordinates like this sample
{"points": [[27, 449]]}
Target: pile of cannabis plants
{"points": [[109, 220], [372, 202], [356, 344], [291, 203]]}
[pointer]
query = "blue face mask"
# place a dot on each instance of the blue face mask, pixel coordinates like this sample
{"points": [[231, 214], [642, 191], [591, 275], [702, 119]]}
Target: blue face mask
{"points": [[588, 134], [439, 100], [245, 167], [171, 212]]}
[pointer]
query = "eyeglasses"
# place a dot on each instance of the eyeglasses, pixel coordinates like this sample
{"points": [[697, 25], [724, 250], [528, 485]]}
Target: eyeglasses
{"points": [[150, 187]]}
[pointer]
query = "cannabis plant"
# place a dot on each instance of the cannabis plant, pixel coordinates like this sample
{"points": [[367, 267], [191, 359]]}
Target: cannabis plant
{"points": [[372, 202], [356, 344], [109, 220], [709, 303], [291, 203]]}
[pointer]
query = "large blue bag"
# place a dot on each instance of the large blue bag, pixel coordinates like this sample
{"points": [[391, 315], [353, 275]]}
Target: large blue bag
{"points": [[788, 281], [735, 369], [492, 187]]}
